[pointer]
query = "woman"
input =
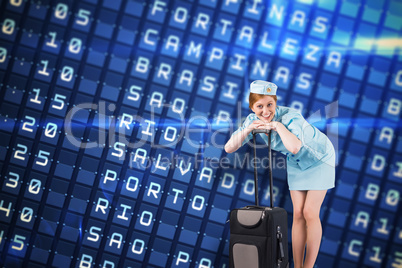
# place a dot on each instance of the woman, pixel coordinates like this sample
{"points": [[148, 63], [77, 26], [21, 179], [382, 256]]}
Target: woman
{"points": [[310, 164]]}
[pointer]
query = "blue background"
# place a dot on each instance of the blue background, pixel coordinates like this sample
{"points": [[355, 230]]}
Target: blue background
{"points": [[62, 206]]}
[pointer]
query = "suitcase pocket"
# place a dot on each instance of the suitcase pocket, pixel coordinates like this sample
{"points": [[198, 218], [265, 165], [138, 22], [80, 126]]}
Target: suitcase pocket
{"points": [[249, 251], [249, 218], [245, 256]]}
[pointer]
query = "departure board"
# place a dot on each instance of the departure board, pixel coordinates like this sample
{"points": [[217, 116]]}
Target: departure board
{"points": [[114, 115]]}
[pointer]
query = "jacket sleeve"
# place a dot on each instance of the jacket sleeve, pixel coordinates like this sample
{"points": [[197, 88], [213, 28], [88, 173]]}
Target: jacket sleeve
{"points": [[249, 119], [314, 142]]}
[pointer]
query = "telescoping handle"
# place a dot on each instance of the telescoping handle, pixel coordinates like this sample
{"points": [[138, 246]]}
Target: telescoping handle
{"points": [[254, 132]]}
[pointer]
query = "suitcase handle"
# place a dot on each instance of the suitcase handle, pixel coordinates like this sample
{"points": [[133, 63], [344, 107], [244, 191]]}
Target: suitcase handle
{"points": [[260, 207], [281, 252], [271, 183], [255, 131]]}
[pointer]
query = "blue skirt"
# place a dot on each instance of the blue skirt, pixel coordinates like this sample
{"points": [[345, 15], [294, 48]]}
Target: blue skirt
{"points": [[320, 176]]}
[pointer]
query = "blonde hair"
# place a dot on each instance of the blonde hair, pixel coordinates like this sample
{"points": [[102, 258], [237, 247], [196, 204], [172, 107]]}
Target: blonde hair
{"points": [[254, 97]]}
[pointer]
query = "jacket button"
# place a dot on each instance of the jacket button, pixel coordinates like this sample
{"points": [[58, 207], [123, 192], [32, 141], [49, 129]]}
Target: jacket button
{"points": [[297, 160], [293, 155]]}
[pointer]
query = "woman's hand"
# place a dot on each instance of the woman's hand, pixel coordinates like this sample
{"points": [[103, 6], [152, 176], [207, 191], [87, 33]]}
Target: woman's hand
{"points": [[270, 126], [257, 124], [236, 141], [291, 141]]}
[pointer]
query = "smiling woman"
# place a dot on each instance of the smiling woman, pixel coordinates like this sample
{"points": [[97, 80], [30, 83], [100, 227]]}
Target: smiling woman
{"points": [[258, 101], [310, 163]]}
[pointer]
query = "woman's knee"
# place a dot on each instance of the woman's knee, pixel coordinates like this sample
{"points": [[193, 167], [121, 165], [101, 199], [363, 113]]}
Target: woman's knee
{"points": [[310, 214], [298, 214]]}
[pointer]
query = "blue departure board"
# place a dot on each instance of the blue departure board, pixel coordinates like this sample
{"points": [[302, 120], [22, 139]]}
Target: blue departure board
{"points": [[114, 114]]}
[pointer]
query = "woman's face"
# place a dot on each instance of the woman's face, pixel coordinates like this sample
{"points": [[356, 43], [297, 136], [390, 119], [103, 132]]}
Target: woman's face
{"points": [[264, 108]]}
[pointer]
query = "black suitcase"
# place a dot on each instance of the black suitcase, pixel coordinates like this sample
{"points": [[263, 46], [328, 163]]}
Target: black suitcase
{"points": [[259, 235]]}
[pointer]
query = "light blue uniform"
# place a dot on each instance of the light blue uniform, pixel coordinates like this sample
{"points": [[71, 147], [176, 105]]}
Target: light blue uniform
{"points": [[313, 167]]}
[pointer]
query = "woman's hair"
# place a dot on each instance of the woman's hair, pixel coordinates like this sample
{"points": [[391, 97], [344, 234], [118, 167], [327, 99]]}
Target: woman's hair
{"points": [[254, 97]]}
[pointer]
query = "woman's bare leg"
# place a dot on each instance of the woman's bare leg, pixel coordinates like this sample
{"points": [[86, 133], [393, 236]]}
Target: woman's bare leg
{"points": [[311, 213], [299, 232]]}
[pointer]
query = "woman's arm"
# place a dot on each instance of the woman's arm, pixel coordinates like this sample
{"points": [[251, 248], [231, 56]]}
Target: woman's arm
{"points": [[290, 140], [236, 141]]}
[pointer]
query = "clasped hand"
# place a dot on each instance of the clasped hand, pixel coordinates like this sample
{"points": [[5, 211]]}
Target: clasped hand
{"points": [[258, 124]]}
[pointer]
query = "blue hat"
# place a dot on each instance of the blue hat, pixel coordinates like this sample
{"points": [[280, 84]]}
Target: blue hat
{"points": [[263, 87]]}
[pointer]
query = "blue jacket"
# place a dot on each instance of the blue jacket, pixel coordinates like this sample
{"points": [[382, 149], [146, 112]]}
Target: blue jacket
{"points": [[315, 145]]}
